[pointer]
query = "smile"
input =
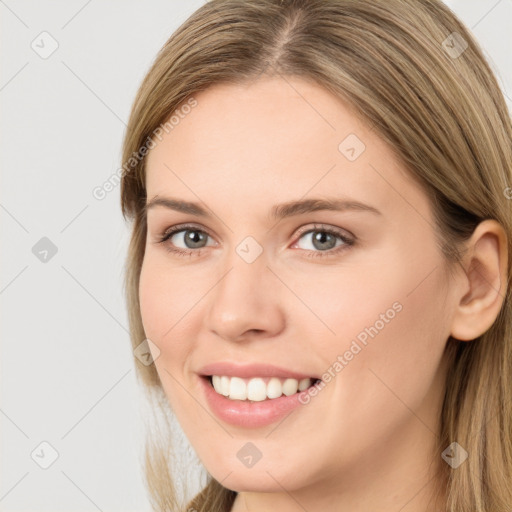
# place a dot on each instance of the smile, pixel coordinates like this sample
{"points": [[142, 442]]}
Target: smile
{"points": [[248, 403], [258, 389]]}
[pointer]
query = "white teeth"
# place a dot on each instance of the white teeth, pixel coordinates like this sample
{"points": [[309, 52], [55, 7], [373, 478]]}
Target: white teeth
{"points": [[224, 386], [290, 386], [237, 389], [304, 384], [216, 383], [257, 389], [274, 388], [221, 385]]}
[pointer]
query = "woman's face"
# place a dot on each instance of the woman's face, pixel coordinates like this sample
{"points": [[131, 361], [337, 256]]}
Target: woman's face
{"points": [[365, 306]]}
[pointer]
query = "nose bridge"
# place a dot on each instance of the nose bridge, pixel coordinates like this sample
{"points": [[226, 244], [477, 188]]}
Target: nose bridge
{"points": [[241, 287], [246, 266], [244, 298]]}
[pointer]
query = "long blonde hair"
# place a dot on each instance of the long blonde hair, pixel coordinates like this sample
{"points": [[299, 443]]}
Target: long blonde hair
{"points": [[419, 78]]}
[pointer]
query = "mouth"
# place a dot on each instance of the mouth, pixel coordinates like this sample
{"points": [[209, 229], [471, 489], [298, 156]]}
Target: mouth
{"points": [[258, 389]]}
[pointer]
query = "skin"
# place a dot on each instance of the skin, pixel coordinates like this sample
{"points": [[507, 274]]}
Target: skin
{"points": [[364, 442]]}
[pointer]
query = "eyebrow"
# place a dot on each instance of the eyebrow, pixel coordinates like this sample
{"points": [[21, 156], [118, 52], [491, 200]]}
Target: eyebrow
{"points": [[278, 212]]}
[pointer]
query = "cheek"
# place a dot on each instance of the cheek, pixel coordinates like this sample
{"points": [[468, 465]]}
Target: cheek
{"points": [[382, 362], [167, 295], [390, 321], [402, 360], [165, 303], [154, 301]]}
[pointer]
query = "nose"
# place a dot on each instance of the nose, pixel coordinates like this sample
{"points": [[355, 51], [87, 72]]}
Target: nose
{"points": [[246, 302]]}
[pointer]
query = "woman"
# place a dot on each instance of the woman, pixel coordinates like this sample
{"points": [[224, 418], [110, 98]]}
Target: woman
{"points": [[320, 259]]}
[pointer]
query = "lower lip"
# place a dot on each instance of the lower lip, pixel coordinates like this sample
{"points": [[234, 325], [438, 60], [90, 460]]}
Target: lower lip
{"points": [[243, 413]]}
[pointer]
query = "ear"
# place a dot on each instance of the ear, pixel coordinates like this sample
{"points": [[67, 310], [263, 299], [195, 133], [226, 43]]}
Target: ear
{"points": [[484, 282]]}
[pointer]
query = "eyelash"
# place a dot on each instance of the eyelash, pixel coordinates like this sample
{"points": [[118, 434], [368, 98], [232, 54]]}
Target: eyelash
{"points": [[310, 254]]}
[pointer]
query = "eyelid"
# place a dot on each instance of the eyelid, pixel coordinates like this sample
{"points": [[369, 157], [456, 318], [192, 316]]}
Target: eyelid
{"points": [[164, 237], [324, 227], [298, 233], [183, 227], [334, 230]]}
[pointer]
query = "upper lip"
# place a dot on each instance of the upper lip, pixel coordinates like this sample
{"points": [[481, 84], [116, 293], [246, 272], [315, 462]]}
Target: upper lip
{"points": [[251, 370]]}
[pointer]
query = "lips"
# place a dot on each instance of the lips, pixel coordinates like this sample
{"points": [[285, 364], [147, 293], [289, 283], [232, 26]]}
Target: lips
{"points": [[241, 410], [248, 414], [252, 370]]}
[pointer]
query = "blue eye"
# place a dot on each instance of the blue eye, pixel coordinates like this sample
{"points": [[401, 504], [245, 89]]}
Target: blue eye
{"points": [[323, 239]]}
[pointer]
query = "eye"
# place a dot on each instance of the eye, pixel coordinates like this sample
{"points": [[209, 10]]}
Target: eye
{"points": [[324, 239], [192, 239]]}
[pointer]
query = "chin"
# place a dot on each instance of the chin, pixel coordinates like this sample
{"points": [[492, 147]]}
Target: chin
{"points": [[259, 478]]}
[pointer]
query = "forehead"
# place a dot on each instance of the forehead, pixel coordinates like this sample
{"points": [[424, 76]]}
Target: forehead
{"points": [[271, 141]]}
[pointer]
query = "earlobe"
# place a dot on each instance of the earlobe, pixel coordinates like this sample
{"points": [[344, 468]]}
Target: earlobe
{"points": [[485, 282]]}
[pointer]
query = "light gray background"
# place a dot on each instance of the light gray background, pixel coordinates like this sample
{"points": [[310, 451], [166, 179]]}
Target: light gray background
{"points": [[67, 374]]}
